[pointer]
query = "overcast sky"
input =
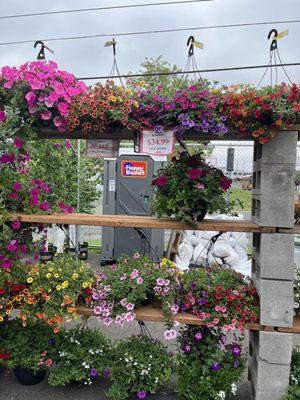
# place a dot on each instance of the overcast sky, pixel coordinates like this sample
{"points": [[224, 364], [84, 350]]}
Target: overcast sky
{"points": [[224, 47]]}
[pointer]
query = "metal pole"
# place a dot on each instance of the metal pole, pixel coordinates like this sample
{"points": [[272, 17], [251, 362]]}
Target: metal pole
{"points": [[229, 168], [77, 227]]}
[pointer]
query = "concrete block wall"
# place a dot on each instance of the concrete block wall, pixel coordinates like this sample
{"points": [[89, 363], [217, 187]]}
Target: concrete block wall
{"points": [[269, 364], [273, 265]]}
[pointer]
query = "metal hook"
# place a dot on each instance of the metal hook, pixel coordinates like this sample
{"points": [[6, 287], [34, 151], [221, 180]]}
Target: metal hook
{"points": [[190, 43], [113, 44], [274, 39], [41, 54]]}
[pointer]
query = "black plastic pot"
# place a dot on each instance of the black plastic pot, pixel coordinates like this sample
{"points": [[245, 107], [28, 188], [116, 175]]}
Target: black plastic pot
{"points": [[28, 377], [200, 217], [148, 300]]}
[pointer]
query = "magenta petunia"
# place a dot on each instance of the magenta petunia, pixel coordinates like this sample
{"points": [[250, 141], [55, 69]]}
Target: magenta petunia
{"points": [[161, 181], [46, 115], [2, 116], [225, 183], [12, 246], [44, 206], [141, 394], [17, 186], [7, 263], [194, 173], [16, 225]]}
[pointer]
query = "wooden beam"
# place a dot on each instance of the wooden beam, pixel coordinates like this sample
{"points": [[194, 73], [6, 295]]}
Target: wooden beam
{"points": [[124, 134], [141, 222]]}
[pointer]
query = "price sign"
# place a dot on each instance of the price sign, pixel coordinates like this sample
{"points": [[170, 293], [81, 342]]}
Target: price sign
{"points": [[100, 148], [157, 143]]}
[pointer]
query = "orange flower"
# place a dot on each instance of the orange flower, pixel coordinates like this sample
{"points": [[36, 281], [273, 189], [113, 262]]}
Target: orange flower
{"points": [[55, 330]]}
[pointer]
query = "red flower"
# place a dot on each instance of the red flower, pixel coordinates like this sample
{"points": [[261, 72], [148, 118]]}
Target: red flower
{"points": [[194, 173]]}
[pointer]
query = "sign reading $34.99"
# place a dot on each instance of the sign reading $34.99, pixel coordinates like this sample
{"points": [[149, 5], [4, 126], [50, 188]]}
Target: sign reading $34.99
{"points": [[159, 143]]}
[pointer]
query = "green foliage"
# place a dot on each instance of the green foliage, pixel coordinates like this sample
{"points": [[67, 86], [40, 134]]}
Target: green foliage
{"points": [[169, 83], [139, 364], [294, 388], [206, 367], [31, 347], [83, 354], [56, 164]]}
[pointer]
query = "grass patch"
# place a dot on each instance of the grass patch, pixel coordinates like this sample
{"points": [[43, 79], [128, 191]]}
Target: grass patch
{"points": [[245, 196]]}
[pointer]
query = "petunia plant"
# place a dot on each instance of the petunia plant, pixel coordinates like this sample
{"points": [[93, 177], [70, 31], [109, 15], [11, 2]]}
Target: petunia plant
{"points": [[188, 187], [209, 364]]}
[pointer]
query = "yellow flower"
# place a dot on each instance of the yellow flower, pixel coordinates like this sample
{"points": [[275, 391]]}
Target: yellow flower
{"points": [[75, 276], [113, 99], [85, 285], [48, 275], [50, 269], [56, 276], [120, 99], [58, 287], [7, 312], [129, 91], [30, 280], [136, 104], [66, 283], [59, 269], [1, 318]]}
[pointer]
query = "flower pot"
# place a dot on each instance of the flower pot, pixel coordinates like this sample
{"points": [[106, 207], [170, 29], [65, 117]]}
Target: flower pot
{"points": [[28, 377], [148, 300], [46, 255], [199, 214]]}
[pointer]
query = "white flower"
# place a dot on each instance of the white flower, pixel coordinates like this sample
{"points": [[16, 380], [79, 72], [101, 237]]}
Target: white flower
{"points": [[233, 388], [221, 395]]}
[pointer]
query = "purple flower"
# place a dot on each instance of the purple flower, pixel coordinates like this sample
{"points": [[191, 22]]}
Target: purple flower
{"points": [[161, 181], [236, 350], [93, 372], [141, 394], [194, 286], [51, 342], [187, 349], [194, 173], [198, 337], [215, 366], [202, 302], [236, 364], [106, 373]]}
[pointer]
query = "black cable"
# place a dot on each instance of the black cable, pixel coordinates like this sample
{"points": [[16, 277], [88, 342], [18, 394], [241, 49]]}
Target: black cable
{"points": [[187, 72], [69, 239], [151, 32], [39, 14]]}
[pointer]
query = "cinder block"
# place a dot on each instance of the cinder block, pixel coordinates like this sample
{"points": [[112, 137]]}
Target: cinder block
{"points": [[276, 302], [280, 149], [273, 211], [267, 377], [271, 347], [273, 256], [274, 180]]}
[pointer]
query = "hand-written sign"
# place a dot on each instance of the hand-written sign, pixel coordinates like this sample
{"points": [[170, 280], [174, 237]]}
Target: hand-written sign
{"points": [[157, 143], [100, 148]]}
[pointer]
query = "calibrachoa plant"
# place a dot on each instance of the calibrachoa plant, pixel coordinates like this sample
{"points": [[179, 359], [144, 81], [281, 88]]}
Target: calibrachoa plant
{"points": [[297, 291], [208, 364], [260, 112], [221, 297], [294, 388], [139, 366], [188, 187], [83, 354], [33, 347], [54, 289], [192, 107], [131, 282], [103, 106]]}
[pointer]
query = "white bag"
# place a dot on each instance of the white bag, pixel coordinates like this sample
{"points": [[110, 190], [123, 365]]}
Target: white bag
{"points": [[200, 252], [183, 265], [185, 251]]}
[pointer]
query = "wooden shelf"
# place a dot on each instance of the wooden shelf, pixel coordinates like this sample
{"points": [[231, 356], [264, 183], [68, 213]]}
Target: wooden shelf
{"points": [[153, 313], [141, 222], [123, 134]]}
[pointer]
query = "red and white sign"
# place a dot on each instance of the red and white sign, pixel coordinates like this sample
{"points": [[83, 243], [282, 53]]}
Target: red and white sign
{"points": [[134, 169], [100, 148], [157, 143]]}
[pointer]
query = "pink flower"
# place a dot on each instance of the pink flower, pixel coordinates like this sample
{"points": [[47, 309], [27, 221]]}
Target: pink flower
{"points": [[46, 115], [44, 206], [2, 116], [97, 310], [218, 308], [119, 320], [194, 173], [34, 193], [12, 246], [123, 302], [58, 121], [130, 306], [16, 225], [68, 144], [7, 263], [48, 362], [223, 309], [161, 181], [33, 201], [160, 281], [62, 107], [139, 281], [30, 97], [13, 196], [107, 321], [129, 317], [225, 183], [134, 274], [170, 334], [17, 186]]}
